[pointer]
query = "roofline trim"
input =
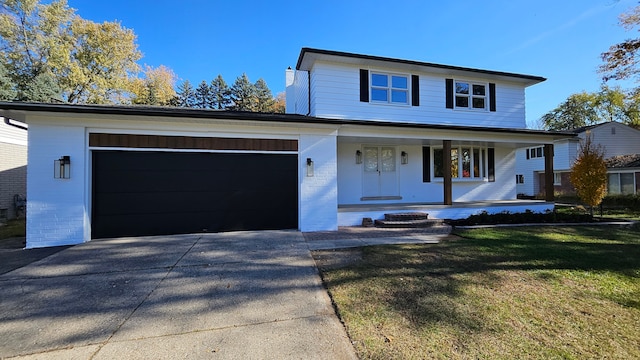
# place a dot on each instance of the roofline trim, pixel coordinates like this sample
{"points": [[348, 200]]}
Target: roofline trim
{"points": [[306, 50], [7, 107]]}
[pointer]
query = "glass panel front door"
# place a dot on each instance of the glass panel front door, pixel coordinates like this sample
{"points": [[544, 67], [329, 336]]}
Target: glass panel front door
{"points": [[380, 177]]}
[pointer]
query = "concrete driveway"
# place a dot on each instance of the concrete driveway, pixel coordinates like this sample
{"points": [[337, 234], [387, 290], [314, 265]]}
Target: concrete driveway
{"points": [[243, 295]]}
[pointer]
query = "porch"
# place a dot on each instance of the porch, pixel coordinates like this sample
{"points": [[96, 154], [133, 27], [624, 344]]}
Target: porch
{"points": [[352, 215]]}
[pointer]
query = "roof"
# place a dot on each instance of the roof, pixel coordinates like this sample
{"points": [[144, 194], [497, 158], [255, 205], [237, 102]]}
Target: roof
{"points": [[19, 110], [309, 55], [582, 129], [623, 161]]}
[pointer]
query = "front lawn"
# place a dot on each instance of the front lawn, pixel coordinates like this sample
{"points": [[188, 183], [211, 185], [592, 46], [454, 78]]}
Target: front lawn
{"points": [[508, 293]]}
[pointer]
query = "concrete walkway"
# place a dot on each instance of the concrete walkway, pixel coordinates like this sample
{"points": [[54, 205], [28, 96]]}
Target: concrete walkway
{"points": [[244, 295]]}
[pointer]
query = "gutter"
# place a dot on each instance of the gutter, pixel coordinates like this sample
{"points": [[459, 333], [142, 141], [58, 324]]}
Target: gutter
{"points": [[8, 122]]}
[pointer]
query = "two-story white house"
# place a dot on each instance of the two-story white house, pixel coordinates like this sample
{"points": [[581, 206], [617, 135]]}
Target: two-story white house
{"points": [[362, 135], [620, 144]]}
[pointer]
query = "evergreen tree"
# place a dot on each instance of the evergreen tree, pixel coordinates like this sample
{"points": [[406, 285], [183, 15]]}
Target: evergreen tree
{"points": [[185, 95], [41, 88], [7, 92], [220, 93], [243, 94], [202, 96], [264, 98]]}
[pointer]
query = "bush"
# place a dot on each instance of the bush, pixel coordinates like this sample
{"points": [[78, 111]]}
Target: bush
{"points": [[631, 202], [527, 217]]}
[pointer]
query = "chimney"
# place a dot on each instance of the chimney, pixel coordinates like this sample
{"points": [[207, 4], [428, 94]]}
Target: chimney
{"points": [[290, 91]]}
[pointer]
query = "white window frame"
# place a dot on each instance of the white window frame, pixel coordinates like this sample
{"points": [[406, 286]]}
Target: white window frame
{"points": [[470, 96], [519, 179], [533, 152], [557, 178], [389, 88], [482, 176], [618, 175]]}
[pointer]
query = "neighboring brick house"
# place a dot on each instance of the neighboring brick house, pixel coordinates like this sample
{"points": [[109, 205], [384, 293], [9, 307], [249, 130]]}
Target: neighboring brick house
{"points": [[13, 167], [618, 140]]}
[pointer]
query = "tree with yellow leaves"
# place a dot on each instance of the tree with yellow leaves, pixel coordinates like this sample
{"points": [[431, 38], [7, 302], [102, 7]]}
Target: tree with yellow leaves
{"points": [[589, 173], [68, 58], [155, 88]]}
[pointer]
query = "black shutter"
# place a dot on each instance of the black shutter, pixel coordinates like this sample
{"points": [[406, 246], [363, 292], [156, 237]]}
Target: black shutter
{"points": [[415, 90], [449, 90], [364, 85], [527, 154], [491, 164], [492, 97], [426, 164]]}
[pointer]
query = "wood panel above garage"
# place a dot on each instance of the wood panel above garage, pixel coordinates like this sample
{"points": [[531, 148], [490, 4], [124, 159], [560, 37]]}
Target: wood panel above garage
{"points": [[189, 142]]}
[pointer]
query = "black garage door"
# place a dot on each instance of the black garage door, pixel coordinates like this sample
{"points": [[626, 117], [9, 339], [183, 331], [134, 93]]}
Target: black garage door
{"points": [[159, 193]]}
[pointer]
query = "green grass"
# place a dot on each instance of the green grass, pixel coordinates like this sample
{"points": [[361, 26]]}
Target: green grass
{"points": [[13, 228], [523, 293]]}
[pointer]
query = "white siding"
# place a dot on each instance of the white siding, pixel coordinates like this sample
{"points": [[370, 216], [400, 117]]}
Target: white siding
{"points": [[297, 92], [564, 155], [13, 166], [56, 208], [11, 134], [335, 93], [624, 141]]}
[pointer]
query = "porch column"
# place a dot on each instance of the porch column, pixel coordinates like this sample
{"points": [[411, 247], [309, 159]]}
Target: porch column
{"points": [[548, 172], [446, 164]]}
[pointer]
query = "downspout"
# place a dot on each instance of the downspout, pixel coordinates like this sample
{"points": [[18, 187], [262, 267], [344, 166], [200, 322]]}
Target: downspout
{"points": [[8, 122]]}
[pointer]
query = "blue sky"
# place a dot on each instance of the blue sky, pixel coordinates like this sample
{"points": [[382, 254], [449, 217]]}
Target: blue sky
{"points": [[559, 39]]}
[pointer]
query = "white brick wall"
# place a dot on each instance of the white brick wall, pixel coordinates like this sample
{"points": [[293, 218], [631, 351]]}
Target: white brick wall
{"points": [[318, 194], [56, 208]]}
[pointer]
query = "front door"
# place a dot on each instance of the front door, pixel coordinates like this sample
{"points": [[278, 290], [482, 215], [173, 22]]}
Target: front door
{"points": [[380, 178]]}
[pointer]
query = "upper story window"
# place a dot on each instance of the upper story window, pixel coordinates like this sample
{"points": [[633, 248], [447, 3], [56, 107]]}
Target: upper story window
{"points": [[390, 88], [535, 152], [471, 95], [386, 88]]}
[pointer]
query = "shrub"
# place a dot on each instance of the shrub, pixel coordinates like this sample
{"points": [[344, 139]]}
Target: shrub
{"points": [[527, 217]]}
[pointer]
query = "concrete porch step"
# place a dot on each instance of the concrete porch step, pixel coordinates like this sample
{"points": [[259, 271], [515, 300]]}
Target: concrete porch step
{"points": [[422, 223], [406, 216]]}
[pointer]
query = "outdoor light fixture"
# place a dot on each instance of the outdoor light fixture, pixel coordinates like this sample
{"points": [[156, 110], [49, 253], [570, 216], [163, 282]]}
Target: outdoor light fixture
{"points": [[404, 158], [358, 157], [309, 167], [62, 167]]}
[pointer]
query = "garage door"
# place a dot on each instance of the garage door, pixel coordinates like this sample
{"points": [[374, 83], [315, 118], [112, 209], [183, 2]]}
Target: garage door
{"points": [[158, 193]]}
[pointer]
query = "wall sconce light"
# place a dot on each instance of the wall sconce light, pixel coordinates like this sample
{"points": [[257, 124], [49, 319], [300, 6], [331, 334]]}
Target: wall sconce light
{"points": [[358, 157], [309, 167], [404, 158], [62, 168]]}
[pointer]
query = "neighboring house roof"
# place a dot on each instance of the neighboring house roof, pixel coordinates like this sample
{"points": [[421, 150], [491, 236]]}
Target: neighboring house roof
{"points": [[309, 55], [582, 129], [623, 161], [18, 110]]}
